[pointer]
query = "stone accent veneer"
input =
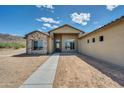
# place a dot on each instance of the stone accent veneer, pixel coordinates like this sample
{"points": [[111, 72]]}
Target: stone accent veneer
{"points": [[36, 36]]}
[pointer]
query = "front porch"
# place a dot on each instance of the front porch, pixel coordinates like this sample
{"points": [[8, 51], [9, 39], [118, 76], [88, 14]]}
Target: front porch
{"points": [[65, 43]]}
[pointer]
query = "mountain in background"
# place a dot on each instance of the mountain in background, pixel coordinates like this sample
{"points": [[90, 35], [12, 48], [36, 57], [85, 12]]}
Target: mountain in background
{"points": [[11, 38]]}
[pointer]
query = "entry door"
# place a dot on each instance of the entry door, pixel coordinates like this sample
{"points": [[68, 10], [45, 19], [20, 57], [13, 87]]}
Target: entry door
{"points": [[57, 45]]}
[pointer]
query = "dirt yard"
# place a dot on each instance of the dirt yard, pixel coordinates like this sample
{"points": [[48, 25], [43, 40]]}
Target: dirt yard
{"points": [[16, 67], [75, 72]]}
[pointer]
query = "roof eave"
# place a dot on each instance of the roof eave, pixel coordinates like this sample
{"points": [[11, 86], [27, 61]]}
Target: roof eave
{"points": [[34, 32], [66, 25]]}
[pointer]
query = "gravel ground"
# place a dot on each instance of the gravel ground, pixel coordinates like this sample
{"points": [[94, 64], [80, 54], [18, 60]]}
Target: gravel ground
{"points": [[15, 69], [73, 71], [10, 52]]}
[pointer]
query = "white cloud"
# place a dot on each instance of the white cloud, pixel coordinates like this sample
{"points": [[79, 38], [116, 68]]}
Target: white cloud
{"points": [[44, 28], [55, 26], [80, 18], [111, 7], [48, 20], [84, 23], [48, 6], [38, 6], [45, 6], [38, 19], [49, 25]]}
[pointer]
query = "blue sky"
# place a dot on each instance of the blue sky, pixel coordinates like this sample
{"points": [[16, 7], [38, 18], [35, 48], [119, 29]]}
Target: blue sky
{"points": [[19, 20]]}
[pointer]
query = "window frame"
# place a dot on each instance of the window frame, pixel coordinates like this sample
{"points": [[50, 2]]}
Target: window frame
{"points": [[36, 45], [88, 41], [101, 38], [93, 40], [69, 44]]}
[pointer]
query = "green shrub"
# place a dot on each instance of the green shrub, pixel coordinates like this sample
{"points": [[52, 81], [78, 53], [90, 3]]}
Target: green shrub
{"points": [[12, 45]]}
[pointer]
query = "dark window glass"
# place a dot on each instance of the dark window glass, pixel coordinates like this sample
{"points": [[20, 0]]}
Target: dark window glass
{"points": [[69, 45], [37, 45], [93, 40], [72, 45], [88, 41], [101, 38]]}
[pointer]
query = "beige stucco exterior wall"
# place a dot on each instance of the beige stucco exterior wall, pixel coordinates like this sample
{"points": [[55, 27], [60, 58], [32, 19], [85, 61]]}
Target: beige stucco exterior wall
{"points": [[36, 36], [111, 49], [50, 45], [62, 37], [69, 36], [65, 33]]}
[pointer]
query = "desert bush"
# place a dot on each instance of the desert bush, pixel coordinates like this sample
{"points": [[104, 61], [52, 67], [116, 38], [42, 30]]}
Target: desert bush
{"points": [[12, 45]]}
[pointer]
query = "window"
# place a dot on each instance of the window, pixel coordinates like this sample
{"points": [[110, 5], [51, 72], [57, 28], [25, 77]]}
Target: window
{"points": [[72, 45], [37, 45], [57, 43], [69, 44], [57, 40], [93, 40], [88, 41], [101, 38]]}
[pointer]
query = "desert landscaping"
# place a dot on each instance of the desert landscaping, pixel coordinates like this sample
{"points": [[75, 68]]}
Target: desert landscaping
{"points": [[74, 72], [16, 67]]}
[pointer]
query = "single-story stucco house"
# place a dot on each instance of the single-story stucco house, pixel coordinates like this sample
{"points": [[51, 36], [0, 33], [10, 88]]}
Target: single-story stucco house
{"points": [[61, 39], [106, 43]]}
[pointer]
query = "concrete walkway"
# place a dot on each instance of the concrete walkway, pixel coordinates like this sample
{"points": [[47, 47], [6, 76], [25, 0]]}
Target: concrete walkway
{"points": [[43, 77]]}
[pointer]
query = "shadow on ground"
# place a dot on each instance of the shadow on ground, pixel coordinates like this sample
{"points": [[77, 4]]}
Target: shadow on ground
{"points": [[113, 71], [28, 55]]}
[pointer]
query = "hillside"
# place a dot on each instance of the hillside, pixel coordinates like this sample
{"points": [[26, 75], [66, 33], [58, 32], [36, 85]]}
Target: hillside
{"points": [[11, 41], [11, 38]]}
